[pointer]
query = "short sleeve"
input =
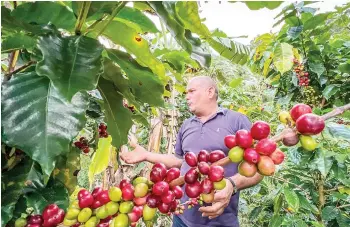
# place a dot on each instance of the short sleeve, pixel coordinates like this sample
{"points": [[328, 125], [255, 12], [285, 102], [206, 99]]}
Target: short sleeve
{"points": [[178, 145], [244, 123]]}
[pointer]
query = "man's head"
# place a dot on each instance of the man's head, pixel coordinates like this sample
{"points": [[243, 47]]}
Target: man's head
{"points": [[202, 94]]}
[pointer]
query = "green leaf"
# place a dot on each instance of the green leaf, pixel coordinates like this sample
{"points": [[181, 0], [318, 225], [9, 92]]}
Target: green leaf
{"points": [[317, 224], [255, 212], [17, 41], [100, 158], [267, 64], [317, 67], [188, 12], [166, 12], [144, 84], [277, 204], [283, 57], [330, 90], [32, 113], [44, 13], [134, 44], [66, 167], [256, 5], [198, 52], [117, 117], [329, 213], [12, 24], [291, 198], [313, 22], [236, 82], [233, 51], [72, 64], [15, 183], [55, 192], [343, 219], [96, 10], [178, 60], [337, 130], [218, 33], [344, 68], [294, 32], [136, 19], [323, 161], [276, 221], [304, 203], [113, 73]]}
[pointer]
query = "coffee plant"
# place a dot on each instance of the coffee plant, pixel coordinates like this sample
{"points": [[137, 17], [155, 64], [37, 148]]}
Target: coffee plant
{"points": [[77, 76]]}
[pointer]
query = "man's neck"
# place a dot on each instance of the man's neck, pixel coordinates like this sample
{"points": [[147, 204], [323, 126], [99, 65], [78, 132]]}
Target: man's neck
{"points": [[205, 116]]}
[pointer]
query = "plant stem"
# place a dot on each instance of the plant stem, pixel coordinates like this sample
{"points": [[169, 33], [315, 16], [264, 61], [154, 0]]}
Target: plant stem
{"points": [[83, 12], [333, 189], [19, 69], [343, 206], [337, 111], [164, 33], [11, 66], [321, 199], [114, 13]]}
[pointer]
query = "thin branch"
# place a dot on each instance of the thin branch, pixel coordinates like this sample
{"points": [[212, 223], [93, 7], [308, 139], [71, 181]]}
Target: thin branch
{"points": [[337, 111], [333, 189], [83, 12], [114, 13], [19, 69], [343, 206]]}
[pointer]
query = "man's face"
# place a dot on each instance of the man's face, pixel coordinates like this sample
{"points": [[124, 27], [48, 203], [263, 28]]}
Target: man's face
{"points": [[196, 96]]}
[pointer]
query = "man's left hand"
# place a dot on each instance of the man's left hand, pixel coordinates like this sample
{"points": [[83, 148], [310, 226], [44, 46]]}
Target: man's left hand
{"points": [[220, 202]]}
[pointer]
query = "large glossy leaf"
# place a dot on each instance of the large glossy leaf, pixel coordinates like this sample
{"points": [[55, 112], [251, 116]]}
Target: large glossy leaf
{"points": [[54, 192], [306, 204], [294, 32], [146, 86], [188, 12], [198, 52], [283, 57], [11, 24], [44, 13], [72, 64], [166, 12], [117, 117], [100, 159], [315, 21], [233, 51], [14, 184], [37, 119], [113, 73], [291, 198], [17, 41], [134, 44], [136, 19]]}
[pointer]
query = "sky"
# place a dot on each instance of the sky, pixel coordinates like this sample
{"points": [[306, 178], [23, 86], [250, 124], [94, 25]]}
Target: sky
{"points": [[236, 19]]}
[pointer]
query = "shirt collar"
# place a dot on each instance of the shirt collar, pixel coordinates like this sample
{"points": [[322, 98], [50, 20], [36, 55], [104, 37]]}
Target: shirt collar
{"points": [[221, 110]]}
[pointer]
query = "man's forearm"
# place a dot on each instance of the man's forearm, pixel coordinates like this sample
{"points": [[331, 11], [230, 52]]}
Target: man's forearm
{"points": [[243, 182], [169, 160]]}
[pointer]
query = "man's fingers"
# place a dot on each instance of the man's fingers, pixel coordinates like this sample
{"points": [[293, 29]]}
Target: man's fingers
{"points": [[210, 209], [218, 197]]}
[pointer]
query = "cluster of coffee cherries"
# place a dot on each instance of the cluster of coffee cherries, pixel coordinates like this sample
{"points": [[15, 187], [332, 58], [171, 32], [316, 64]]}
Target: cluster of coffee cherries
{"points": [[82, 144], [102, 131], [202, 179], [306, 124], [254, 151], [303, 76]]}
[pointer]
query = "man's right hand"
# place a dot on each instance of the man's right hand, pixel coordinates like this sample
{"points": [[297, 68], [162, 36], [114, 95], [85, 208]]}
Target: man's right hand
{"points": [[139, 154]]}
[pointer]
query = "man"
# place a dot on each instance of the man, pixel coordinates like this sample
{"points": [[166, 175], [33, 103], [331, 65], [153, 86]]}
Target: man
{"points": [[205, 130]]}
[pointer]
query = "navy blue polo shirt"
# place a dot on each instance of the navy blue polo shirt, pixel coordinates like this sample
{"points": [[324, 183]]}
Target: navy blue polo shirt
{"points": [[195, 136]]}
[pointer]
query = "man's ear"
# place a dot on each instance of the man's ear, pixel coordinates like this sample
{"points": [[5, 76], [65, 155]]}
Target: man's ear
{"points": [[211, 92]]}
